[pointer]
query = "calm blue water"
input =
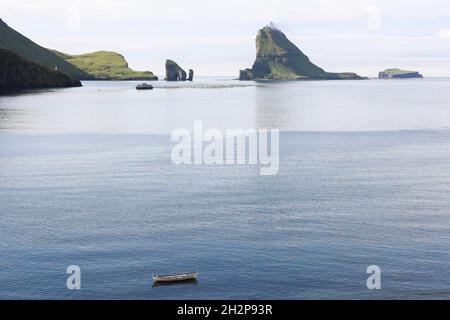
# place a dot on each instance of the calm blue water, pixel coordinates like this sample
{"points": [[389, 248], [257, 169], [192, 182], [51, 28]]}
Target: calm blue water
{"points": [[86, 179]]}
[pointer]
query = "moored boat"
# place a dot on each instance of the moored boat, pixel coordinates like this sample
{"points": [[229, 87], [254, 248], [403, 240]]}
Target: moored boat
{"points": [[144, 86], [175, 277]]}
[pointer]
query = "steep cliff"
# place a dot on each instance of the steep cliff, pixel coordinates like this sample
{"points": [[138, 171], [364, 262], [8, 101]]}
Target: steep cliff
{"points": [[19, 73]]}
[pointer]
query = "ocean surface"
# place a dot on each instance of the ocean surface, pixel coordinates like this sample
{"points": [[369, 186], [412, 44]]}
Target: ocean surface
{"points": [[86, 179]]}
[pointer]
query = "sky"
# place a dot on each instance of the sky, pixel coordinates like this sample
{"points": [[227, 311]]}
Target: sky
{"points": [[217, 37]]}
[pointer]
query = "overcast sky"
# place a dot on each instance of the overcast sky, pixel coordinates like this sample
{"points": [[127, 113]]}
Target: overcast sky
{"points": [[217, 37]]}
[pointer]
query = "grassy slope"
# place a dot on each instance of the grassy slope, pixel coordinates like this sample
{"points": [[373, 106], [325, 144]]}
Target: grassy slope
{"points": [[274, 43], [397, 71], [24, 47], [106, 65], [19, 73], [281, 72]]}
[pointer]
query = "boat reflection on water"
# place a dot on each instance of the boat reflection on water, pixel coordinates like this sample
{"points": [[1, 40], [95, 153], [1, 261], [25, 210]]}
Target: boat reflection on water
{"points": [[192, 282]]}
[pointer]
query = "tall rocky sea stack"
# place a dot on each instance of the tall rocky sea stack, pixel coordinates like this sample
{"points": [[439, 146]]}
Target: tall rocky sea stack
{"points": [[19, 73], [277, 58], [174, 72]]}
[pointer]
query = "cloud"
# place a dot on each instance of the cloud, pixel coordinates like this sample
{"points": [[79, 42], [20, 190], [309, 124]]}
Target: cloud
{"points": [[230, 11], [444, 34]]}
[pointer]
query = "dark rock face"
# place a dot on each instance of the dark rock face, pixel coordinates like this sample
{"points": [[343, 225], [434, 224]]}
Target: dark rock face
{"points": [[246, 74], [174, 72], [277, 58], [191, 75], [18, 73], [398, 74]]}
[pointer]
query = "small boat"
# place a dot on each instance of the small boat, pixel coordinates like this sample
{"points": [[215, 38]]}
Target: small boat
{"points": [[175, 277], [144, 86]]}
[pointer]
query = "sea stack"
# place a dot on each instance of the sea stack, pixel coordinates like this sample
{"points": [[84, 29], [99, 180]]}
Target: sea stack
{"points": [[398, 74], [174, 72], [277, 58], [191, 75]]}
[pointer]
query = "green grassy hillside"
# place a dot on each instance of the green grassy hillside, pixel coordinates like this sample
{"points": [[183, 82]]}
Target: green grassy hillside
{"points": [[19, 73], [106, 65], [24, 47], [398, 71]]}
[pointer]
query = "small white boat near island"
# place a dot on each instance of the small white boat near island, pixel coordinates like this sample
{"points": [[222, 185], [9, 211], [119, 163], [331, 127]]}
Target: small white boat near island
{"points": [[179, 277]]}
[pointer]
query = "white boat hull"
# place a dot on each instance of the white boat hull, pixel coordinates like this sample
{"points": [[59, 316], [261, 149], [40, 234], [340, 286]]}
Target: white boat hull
{"points": [[175, 277]]}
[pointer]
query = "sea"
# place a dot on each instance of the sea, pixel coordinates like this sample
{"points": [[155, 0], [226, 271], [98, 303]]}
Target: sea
{"points": [[87, 180]]}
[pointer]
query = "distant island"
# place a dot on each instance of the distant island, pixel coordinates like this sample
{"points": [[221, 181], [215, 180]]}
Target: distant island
{"points": [[19, 73], [277, 58], [398, 74]]}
